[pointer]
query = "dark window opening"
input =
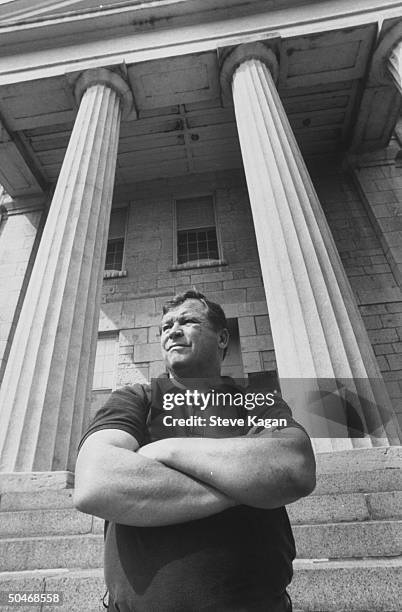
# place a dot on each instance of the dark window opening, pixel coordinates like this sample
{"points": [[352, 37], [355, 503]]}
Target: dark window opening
{"points": [[114, 254]]}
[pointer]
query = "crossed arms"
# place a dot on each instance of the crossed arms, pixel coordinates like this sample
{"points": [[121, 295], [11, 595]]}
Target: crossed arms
{"points": [[181, 479]]}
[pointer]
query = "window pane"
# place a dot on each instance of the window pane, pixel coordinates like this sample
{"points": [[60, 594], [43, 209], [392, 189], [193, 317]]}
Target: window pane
{"points": [[105, 363], [198, 244], [195, 212], [117, 227], [114, 254]]}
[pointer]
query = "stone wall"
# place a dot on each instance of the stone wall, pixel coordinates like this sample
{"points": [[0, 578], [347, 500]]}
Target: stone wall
{"points": [[132, 304], [18, 234], [370, 272], [378, 178]]}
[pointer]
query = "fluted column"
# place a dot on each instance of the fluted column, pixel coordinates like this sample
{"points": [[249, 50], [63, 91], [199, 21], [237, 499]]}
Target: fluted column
{"points": [[49, 373], [318, 334], [394, 65]]}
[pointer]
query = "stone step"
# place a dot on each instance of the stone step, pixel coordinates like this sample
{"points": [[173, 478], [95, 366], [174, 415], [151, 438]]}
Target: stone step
{"points": [[360, 470], [336, 540], [354, 585], [81, 590], [318, 586], [314, 509], [28, 500], [340, 507], [346, 540], [382, 479], [29, 523], [83, 551]]}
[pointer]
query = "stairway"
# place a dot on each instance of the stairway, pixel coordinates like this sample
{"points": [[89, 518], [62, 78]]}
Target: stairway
{"points": [[347, 533], [348, 556]]}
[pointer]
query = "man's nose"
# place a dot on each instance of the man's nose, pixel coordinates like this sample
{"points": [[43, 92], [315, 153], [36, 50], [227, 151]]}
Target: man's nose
{"points": [[175, 330]]}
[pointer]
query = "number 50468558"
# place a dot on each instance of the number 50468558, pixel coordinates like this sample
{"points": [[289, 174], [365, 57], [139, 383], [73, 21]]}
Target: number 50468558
{"points": [[30, 597]]}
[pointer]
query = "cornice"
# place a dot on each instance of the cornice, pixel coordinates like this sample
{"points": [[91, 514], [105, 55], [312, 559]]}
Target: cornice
{"points": [[143, 9], [167, 28]]}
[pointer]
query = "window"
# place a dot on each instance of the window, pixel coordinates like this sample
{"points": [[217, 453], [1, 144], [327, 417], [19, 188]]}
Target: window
{"points": [[115, 244], [105, 362], [197, 238]]}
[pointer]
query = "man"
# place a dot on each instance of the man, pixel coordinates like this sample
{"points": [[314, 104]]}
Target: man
{"points": [[194, 506]]}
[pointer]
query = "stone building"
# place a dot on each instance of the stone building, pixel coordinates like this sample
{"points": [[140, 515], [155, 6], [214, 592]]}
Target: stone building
{"points": [[249, 149]]}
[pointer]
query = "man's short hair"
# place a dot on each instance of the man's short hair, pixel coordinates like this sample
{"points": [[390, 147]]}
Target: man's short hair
{"points": [[215, 313]]}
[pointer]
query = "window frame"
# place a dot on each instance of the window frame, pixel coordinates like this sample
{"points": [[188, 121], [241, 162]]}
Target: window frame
{"points": [[104, 336], [123, 271], [196, 263]]}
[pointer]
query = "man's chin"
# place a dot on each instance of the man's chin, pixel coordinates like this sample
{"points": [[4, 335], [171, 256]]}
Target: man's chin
{"points": [[182, 367]]}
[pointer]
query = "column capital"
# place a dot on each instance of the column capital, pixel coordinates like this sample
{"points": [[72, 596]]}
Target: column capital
{"points": [[383, 64], [23, 204], [109, 78], [240, 54]]}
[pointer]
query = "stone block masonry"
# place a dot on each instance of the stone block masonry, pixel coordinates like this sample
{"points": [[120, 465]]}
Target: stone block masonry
{"points": [[371, 272], [378, 179], [132, 305], [18, 234]]}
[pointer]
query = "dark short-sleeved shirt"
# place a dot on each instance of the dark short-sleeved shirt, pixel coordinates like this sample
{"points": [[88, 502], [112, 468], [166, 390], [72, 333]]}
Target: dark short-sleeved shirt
{"points": [[234, 560]]}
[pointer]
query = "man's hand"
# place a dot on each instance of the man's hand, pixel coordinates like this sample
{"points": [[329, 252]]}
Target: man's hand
{"points": [[260, 469]]}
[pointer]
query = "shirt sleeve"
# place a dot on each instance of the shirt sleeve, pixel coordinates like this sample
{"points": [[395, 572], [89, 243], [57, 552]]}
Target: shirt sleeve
{"points": [[279, 412], [126, 409]]}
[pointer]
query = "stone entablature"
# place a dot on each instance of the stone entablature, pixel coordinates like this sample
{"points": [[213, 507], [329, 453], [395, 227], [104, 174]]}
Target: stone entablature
{"points": [[320, 71]]}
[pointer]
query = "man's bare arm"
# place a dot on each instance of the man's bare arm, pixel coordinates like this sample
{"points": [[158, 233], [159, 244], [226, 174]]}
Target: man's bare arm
{"points": [[117, 484], [266, 470]]}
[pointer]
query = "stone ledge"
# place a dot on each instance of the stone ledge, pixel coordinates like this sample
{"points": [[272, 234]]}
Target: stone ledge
{"points": [[114, 274], [202, 263], [35, 481], [360, 460]]}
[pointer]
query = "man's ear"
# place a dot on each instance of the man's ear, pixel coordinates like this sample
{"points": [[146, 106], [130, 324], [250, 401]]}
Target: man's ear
{"points": [[223, 338]]}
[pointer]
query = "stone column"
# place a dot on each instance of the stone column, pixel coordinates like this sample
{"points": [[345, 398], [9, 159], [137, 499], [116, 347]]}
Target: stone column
{"points": [[49, 372], [318, 334], [394, 65]]}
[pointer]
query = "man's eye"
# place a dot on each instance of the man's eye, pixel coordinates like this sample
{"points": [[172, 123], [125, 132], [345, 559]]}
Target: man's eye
{"points": [[165, 327]]}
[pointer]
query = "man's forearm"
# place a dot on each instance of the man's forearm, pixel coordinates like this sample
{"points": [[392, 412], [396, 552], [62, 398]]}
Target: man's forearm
{"points": [[259, 471], [124, 487]]}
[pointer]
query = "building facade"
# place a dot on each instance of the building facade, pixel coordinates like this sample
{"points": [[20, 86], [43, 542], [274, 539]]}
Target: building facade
{"points": [[251, 150]]}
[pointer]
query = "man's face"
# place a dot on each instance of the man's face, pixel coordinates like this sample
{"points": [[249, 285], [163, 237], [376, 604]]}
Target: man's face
{"points": [[190, 345]]}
